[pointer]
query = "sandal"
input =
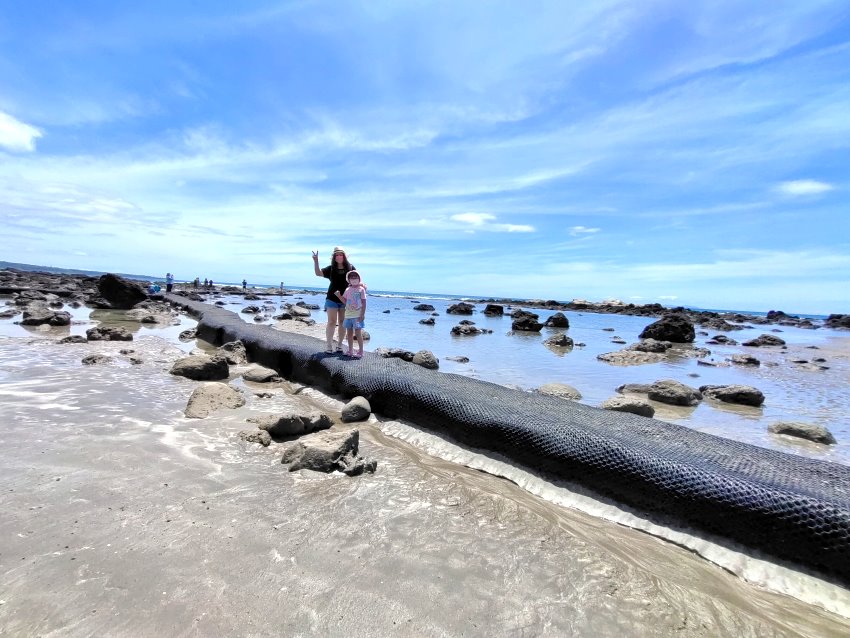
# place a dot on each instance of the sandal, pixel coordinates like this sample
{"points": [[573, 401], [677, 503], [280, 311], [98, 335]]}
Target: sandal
{"points": [[339, 348], [359, 355]]}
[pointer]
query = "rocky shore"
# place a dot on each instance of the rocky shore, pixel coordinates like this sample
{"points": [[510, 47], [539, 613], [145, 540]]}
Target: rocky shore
{"points": [[201, 472], [39, 297]]}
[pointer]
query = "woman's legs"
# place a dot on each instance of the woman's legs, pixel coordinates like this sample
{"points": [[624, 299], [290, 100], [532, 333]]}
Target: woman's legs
{"points": [[333, 319]]}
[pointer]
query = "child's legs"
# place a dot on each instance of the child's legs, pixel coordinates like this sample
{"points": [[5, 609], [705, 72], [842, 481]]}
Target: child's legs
{"points": [[349, 334], [359, 334]]}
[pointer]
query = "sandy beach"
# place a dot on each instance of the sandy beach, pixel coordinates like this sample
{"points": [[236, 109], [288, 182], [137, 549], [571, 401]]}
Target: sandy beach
{"points": [[124, 518]]}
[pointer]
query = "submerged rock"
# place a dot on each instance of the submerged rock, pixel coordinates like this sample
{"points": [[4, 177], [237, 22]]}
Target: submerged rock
{"points": [[256, 436], [210, 397], [808, 431], [96, 359], [108, 333], [561, 390], [292, 423], [628, 404]]}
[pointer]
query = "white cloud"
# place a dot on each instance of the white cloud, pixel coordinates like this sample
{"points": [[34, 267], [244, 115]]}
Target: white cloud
{"points": [[804, 187], [483, 221], [16, 135], [575, 231], [476, 219]]}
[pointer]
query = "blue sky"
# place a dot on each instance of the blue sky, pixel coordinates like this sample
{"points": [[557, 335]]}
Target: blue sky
{"points": [[683, 153]]}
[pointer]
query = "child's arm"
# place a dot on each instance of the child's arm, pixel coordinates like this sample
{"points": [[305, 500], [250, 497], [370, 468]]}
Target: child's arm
{"points": [[363, 307]]}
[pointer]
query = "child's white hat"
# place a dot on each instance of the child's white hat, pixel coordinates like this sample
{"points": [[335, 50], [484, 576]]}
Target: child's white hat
{"points": [[350, 273]]}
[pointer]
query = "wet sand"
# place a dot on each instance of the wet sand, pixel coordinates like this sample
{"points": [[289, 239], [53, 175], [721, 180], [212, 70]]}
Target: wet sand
{"points": [[123, 518]]}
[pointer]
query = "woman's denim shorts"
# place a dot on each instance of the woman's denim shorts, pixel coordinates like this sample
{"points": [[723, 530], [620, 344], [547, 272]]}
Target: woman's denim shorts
{"points": [[332, 305], [354, 323]]}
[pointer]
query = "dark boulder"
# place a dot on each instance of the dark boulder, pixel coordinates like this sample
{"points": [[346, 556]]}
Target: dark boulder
{"points": [[494, 310], [119, 292], [764, 340], [424, 306], [108, 333], [673, 327], [740, 394], [461, 308], [837, 321], [558, 320], [395, 353], [527, 324]]}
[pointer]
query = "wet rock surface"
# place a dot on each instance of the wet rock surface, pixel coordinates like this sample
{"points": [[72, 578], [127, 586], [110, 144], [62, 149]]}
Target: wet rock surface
{"points": [[292, 422], [328, 452]]}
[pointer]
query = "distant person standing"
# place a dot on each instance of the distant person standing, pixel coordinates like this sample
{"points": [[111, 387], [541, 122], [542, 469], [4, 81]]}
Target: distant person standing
{"points": [[281, 288], [244, 284], [206, 283], [336, 272], [169, 282]]}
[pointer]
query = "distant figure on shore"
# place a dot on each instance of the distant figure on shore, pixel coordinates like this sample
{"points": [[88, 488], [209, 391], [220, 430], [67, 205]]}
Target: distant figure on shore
{"points": [[336, 272], [281, 288], [206, 283], [153, 288], [211, 284], [354, 299], [244, 284], [197, 282], [169, 282]]}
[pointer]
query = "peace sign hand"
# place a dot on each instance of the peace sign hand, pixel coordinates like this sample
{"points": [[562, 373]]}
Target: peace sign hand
{"points": [[316, 255]]}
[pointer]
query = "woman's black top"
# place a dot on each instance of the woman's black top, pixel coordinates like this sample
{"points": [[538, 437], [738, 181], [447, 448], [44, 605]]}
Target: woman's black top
{"points": [[338, 282]]}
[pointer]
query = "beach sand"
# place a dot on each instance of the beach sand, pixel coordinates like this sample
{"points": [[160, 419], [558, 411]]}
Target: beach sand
{"points": [[123, 518]]}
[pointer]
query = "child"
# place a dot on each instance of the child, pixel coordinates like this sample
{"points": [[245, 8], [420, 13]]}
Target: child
{"points": [[354, 299]]}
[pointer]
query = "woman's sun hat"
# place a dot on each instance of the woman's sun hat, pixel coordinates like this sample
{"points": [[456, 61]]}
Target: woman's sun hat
{"points": [[339, 249]]}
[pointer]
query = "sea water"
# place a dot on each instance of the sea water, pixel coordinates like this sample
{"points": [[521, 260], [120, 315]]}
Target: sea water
{"points": [[812, 392]]}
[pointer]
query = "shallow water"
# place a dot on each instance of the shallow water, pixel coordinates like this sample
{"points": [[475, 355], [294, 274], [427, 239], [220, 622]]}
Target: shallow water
{"points": [[793, 392], [123, 518]]}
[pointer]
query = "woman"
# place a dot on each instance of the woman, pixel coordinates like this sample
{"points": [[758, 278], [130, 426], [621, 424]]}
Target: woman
{"points": [[336, 272]]}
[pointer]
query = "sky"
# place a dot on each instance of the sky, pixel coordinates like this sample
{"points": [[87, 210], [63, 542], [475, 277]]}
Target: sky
{"points": [[691, 153]]}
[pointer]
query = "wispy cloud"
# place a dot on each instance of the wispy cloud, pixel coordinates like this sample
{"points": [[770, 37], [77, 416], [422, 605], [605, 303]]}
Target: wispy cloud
{"points": [[575, 231], [16, 135], [804, 187]]}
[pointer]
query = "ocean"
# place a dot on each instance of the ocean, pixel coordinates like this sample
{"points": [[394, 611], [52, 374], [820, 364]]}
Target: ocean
{"points": [[811, 392]]}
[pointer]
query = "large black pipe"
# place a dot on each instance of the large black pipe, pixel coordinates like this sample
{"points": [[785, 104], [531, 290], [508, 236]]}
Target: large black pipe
{"points": [[789, 507]]}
